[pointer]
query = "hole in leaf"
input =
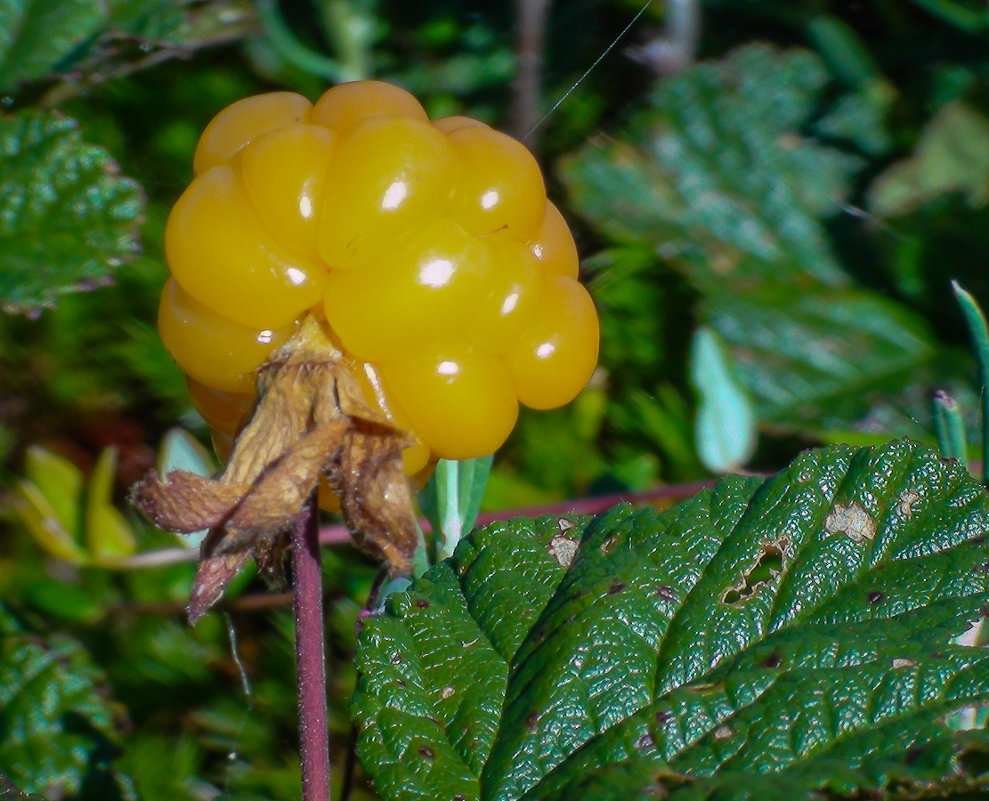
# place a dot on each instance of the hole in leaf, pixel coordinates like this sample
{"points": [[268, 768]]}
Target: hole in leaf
{"points": [[765, 571]]}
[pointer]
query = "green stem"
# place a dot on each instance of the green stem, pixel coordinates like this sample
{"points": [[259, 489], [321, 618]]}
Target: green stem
{"points": [[976, 323], [291, 49], [954, 14], [352, 32], [949, 427]]}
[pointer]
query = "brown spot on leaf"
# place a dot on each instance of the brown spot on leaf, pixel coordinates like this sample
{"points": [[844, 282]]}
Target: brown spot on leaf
{"points": [[852, 520], [645, 741], [422, 603], [531, 721], [426, 752], [875, 597], [723, 732], [774, 660], [563, 550], [666, 592], [616, 588]]}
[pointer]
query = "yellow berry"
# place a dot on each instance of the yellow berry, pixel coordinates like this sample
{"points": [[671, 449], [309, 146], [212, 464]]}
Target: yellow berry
{"points": [[426, 249], [500, 191], [448, 124], [554, 247], [223, 255], [348, 105], [210, 348], [224, 411], [391, 175], [284, 174], [460, 402], [556, 354], [240, 122], [429, 288]]}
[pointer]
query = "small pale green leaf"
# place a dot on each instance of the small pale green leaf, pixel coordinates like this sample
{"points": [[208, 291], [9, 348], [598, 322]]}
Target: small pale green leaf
{"points": [[452, 498], [59, 728], [66, 217], [181, 451], [768, 639], [725, 426], [60, 481], [42, 521], [108, 534], [951, 156]]}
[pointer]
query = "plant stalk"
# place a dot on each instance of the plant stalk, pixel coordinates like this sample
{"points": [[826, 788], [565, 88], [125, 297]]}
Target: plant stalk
{"points": [[949, 427], [975, 321], [310, 655]]}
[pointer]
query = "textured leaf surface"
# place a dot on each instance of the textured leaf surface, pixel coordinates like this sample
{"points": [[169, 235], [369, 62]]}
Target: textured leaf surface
{"points": [[35, 35], [952, 156], [39, 38], [780, 627], [57, 727], [66, 217], [719, 178]]}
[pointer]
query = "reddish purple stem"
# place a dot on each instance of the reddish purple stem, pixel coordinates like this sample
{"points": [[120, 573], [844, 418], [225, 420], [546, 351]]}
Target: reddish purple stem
{"points": [[335, 535], [310, 658]]}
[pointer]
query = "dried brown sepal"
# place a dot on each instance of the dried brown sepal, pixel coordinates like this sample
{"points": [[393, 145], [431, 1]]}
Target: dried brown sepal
{"points": [[311, 419]]}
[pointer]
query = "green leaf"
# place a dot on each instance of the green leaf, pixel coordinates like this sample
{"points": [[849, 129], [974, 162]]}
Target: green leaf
{"points": [[47, 38], [766, 639], [42, 522], [719, 180], [823, 358], [36, 35], [951, 156], [181, 451], [108, 534], [716, 170], [59, 729], [59, 480], [725, 426], [452, 498], [66, 217]]}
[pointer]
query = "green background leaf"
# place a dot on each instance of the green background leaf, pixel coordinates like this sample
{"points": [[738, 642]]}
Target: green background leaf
{"points": [[59, 732], [723, 179], [66, 217], [768, 626]]}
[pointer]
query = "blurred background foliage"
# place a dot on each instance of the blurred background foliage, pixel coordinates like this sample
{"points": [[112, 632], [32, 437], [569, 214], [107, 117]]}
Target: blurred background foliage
{"points": [[771, 197]]}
